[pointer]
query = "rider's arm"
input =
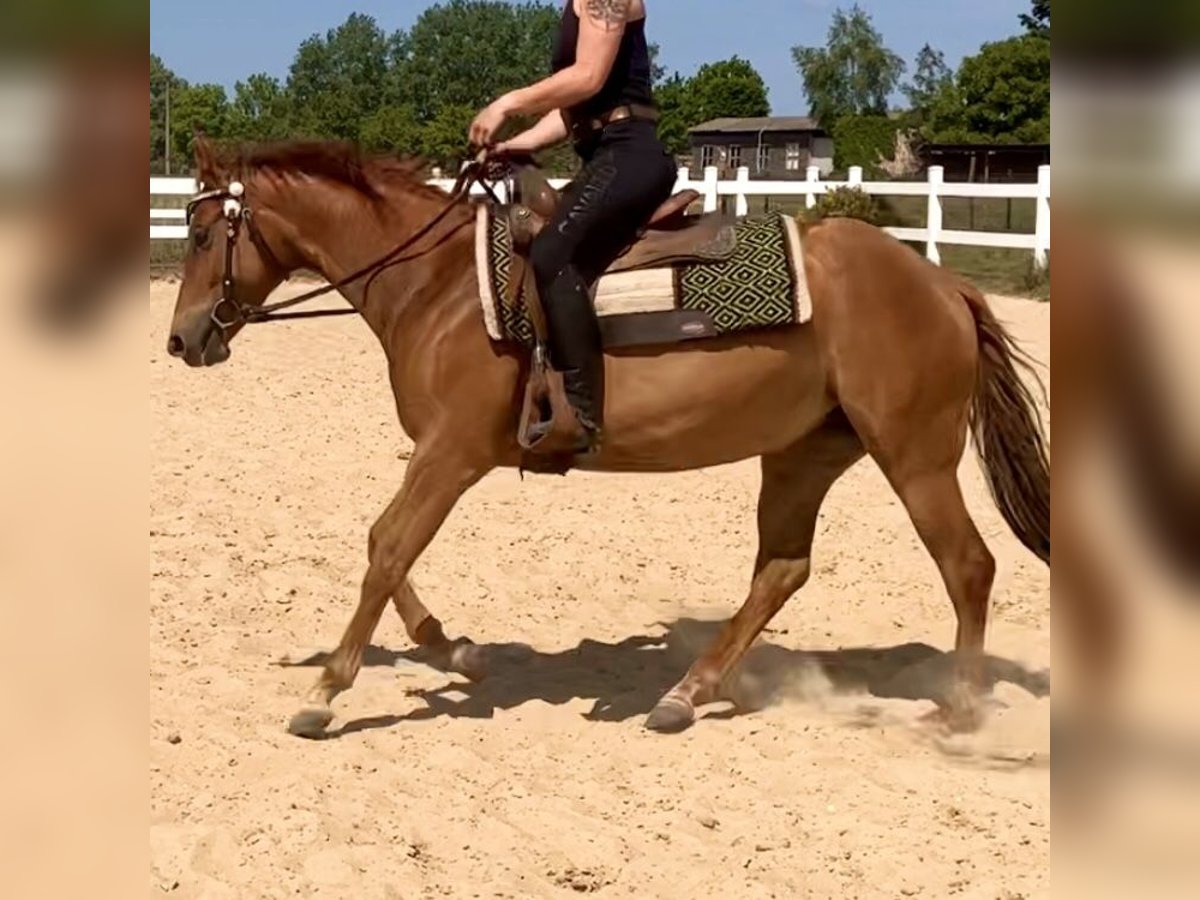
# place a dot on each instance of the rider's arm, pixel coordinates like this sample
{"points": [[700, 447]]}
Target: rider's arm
{"points": [[601, 25], [550, 130]]}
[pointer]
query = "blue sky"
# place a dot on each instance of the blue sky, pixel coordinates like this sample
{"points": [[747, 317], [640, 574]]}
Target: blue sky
{"points": [[225, 40]]}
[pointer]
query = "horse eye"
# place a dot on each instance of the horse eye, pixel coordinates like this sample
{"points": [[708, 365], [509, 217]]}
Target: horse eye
{"points": [[200, 238]]}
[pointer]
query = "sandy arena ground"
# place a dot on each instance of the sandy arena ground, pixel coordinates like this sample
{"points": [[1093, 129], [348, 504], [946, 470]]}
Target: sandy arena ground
{"points": [[598, 591]]}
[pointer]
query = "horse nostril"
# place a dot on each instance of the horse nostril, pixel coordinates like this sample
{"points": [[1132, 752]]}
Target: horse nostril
{"points": [[175, 345]]}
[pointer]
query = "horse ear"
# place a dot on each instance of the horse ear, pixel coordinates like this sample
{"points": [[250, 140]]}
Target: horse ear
{"points": [[206, 159]]}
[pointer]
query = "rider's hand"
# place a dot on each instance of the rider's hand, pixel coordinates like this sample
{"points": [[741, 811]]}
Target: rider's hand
{"points": [[488, 123]]}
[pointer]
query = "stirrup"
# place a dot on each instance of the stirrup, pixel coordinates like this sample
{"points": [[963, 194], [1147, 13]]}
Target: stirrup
{"points": [[574, 438], [549, 422]]}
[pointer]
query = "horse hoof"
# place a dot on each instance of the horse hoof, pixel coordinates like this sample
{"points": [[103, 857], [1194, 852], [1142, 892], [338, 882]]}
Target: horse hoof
{"points": [[964, 719], [470, 661], [966, 710], [311, 722], [671, 715], [960, 716]]}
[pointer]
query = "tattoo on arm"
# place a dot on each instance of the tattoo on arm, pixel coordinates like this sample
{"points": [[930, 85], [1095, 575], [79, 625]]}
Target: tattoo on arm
{"points": [[609, 13]]}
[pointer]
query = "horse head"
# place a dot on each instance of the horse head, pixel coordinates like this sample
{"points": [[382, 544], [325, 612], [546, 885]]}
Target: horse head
{"points": [[237, 253]]}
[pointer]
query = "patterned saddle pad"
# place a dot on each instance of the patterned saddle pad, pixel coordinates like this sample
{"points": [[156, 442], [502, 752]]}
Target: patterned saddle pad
{"points": [[762, 285]]}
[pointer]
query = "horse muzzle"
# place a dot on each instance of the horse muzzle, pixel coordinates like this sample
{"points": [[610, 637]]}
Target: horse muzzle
{"points": [[202, 345]]}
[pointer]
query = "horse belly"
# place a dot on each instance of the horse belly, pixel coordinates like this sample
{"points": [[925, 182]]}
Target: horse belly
{"points": [[712, 402]]}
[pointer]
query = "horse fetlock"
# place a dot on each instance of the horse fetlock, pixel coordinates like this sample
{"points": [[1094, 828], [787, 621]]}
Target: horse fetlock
{"points": [[428, 633]]}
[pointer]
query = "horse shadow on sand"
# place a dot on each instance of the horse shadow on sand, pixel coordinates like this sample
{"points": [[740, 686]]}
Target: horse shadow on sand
{"points": [[625, 679]]}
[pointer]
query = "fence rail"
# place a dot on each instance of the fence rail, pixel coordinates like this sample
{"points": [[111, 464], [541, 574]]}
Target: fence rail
{"points": [[167, 223]]}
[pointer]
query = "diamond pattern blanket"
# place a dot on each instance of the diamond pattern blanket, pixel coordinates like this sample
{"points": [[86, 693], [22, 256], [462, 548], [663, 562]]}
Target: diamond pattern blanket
{"points": [[762, 285]]}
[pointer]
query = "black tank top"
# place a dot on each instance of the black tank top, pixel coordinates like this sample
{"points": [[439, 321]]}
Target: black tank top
{"points": [[629, 80]]}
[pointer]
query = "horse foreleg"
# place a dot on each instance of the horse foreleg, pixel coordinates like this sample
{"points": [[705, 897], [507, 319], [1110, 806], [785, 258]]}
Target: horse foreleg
{"points": [[434, 482]]}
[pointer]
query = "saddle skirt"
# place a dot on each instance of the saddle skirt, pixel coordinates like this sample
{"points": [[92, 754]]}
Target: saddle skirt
{"points": [[755, 279]]}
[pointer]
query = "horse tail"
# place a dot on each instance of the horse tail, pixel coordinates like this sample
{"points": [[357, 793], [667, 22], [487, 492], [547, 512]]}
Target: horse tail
{"points": [[1008, 432]]}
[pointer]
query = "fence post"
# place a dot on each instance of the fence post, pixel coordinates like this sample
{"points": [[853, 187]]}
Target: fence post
{"points": [[813, 176], [854, 178], [743, 185], [683, 178], [711, 200], [1041, 228], [933, 219]]}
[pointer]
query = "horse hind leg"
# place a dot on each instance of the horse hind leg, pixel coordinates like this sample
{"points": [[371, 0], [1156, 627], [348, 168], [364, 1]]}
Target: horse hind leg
{"points": [[794, 484], [919, 455], [935, 504]]}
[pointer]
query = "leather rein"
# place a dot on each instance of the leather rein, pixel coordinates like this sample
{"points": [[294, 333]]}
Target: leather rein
{"points": [[229, 312]]}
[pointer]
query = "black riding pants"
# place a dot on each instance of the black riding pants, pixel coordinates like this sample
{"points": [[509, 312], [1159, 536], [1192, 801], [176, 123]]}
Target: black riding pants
{"points": [[627, 175]]}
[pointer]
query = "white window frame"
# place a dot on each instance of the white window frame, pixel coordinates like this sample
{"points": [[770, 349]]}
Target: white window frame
{"points": [[708, 156], [735, 156], [793, 154]]}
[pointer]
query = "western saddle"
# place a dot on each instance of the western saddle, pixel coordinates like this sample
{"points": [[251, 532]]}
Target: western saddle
{"points": [[670, 237]]}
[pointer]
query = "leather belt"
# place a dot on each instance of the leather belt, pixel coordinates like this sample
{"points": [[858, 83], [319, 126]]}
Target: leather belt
{"points": [[582, 129]]}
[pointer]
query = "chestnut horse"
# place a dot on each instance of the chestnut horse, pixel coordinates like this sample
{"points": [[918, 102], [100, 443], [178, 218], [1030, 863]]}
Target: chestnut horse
{"points": [[900, 360]]}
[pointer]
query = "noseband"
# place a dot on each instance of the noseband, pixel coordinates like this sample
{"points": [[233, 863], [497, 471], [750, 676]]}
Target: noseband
{"points": [[229, 312]]}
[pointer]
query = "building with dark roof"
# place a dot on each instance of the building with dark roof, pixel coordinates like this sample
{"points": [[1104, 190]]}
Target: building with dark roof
{"points": [[773, 147], [987, 162]]}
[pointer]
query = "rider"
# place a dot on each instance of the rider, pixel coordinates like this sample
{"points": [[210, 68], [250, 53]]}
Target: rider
{"points": [[600, 96]]}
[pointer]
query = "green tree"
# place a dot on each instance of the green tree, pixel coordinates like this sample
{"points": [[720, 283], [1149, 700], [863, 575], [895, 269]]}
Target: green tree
{"points": [[260, 110], [393, 128], [853, 74], [731, 87], [657, 71], [195, 107], [444, 137], [1037, 20], [674, 118], [863, 141], [931, 78], [160, 78], [465, 53], [337, 81], [1001, 95]]}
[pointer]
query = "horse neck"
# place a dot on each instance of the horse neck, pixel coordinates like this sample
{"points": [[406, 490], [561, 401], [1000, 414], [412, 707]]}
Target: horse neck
{"points": [[343, 232]]}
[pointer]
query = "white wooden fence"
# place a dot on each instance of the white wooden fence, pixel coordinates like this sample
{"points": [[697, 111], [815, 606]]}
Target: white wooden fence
{"points": [[168, 223]]}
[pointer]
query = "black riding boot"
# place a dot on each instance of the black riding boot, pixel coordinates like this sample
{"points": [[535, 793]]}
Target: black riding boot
{"points": [[575, 350]]}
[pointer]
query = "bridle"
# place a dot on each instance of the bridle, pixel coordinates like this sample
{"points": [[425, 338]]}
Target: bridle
{"points": [[229, 312]]}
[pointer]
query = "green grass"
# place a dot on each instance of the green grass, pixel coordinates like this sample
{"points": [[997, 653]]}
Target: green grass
{"points": [[998, 270]]}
